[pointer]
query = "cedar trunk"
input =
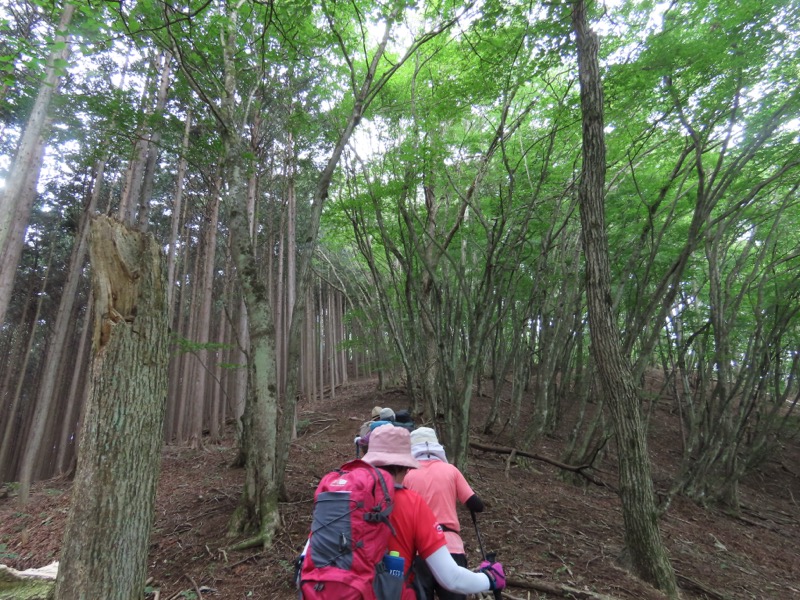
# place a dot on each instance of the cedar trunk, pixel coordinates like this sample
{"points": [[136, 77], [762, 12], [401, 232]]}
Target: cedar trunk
{"points": [[52, 392], [19, 194], [104, 554], [644, 546]]}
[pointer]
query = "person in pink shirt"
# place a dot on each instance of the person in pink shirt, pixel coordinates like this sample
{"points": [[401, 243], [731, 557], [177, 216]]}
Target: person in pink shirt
{"points": [[441, 485]]}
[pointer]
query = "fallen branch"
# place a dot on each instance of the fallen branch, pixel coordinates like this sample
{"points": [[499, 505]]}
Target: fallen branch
{"points": [[176, 594], [196, 589], [788, 470], [776, 515], [562, 591], [688, 583], [244, 560], [210, 511], [766, 525], [320, 431], [505, 594], [579, 469], [32, 583]]}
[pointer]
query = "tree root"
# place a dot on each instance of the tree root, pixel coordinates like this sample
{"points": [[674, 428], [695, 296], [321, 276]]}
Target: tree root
{"points": [[253, 542], [562, 591]]}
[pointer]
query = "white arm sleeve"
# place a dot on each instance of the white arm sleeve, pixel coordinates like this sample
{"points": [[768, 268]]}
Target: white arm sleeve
{"points": [[454, 578]]}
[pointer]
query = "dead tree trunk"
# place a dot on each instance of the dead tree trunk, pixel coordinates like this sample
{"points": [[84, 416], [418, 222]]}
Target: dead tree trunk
{"points": [[104, 554]]}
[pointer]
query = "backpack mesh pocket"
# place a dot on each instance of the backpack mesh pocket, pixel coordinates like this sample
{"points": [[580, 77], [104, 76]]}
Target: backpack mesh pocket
{"points": [[332, 538]]}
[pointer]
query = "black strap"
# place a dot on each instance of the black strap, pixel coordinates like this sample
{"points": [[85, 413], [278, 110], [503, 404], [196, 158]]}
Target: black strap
{"points": [[382, 515]]}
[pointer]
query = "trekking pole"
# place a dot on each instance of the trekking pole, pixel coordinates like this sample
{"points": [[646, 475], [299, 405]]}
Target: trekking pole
{"points": [[478, 533], [488, 557]]}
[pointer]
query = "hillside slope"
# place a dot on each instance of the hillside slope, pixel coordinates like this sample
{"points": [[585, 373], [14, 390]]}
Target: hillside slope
{"points": [[547, 532]]}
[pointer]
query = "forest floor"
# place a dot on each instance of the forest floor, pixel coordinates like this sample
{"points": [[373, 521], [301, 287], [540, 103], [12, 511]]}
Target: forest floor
{"points": [[546, 531]]}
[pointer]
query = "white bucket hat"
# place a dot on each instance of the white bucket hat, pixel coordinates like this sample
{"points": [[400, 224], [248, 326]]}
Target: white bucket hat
{"points": [[425, 445], [423, 434]]}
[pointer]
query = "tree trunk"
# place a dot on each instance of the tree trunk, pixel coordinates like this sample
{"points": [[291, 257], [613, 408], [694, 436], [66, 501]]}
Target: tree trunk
{"points": [[75, 398], [104, 554], [646, 550], [215, 410], [279, 301], [186, 324], [258, 508], [153, 145], [17, 198], [177, 219], [13, 418], [202, 334], [49, 394], [135, 174]]}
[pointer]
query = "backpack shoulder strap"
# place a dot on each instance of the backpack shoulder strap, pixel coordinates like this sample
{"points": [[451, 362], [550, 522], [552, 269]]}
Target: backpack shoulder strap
{"points": [[381, 512]]}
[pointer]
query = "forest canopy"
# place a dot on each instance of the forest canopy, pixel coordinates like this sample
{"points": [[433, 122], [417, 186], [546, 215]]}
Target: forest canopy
{"points": [[393, 188]]}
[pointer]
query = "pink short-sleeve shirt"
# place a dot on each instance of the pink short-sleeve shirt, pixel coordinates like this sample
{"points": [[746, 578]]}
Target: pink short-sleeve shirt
{"points": [[441, 485]]}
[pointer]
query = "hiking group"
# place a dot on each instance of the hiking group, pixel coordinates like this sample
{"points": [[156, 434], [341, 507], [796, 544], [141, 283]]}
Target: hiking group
{"points": [[385, 527]]}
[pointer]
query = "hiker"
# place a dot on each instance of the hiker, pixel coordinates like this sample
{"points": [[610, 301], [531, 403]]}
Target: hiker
{"points": [[366, 529], [384, 416], [363, 431], [416, 531], [376, 414], [402, 418], [441, 485]]}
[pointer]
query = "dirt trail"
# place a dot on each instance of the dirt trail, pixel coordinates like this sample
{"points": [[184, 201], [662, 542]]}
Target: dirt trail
{"points": [[547, 532]]}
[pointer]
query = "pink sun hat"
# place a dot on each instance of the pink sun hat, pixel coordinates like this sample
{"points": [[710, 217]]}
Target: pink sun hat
{"points": [[390, 445]]}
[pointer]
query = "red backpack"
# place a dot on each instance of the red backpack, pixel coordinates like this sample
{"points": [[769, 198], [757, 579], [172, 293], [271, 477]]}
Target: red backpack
{"points": [[349, 538]]}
